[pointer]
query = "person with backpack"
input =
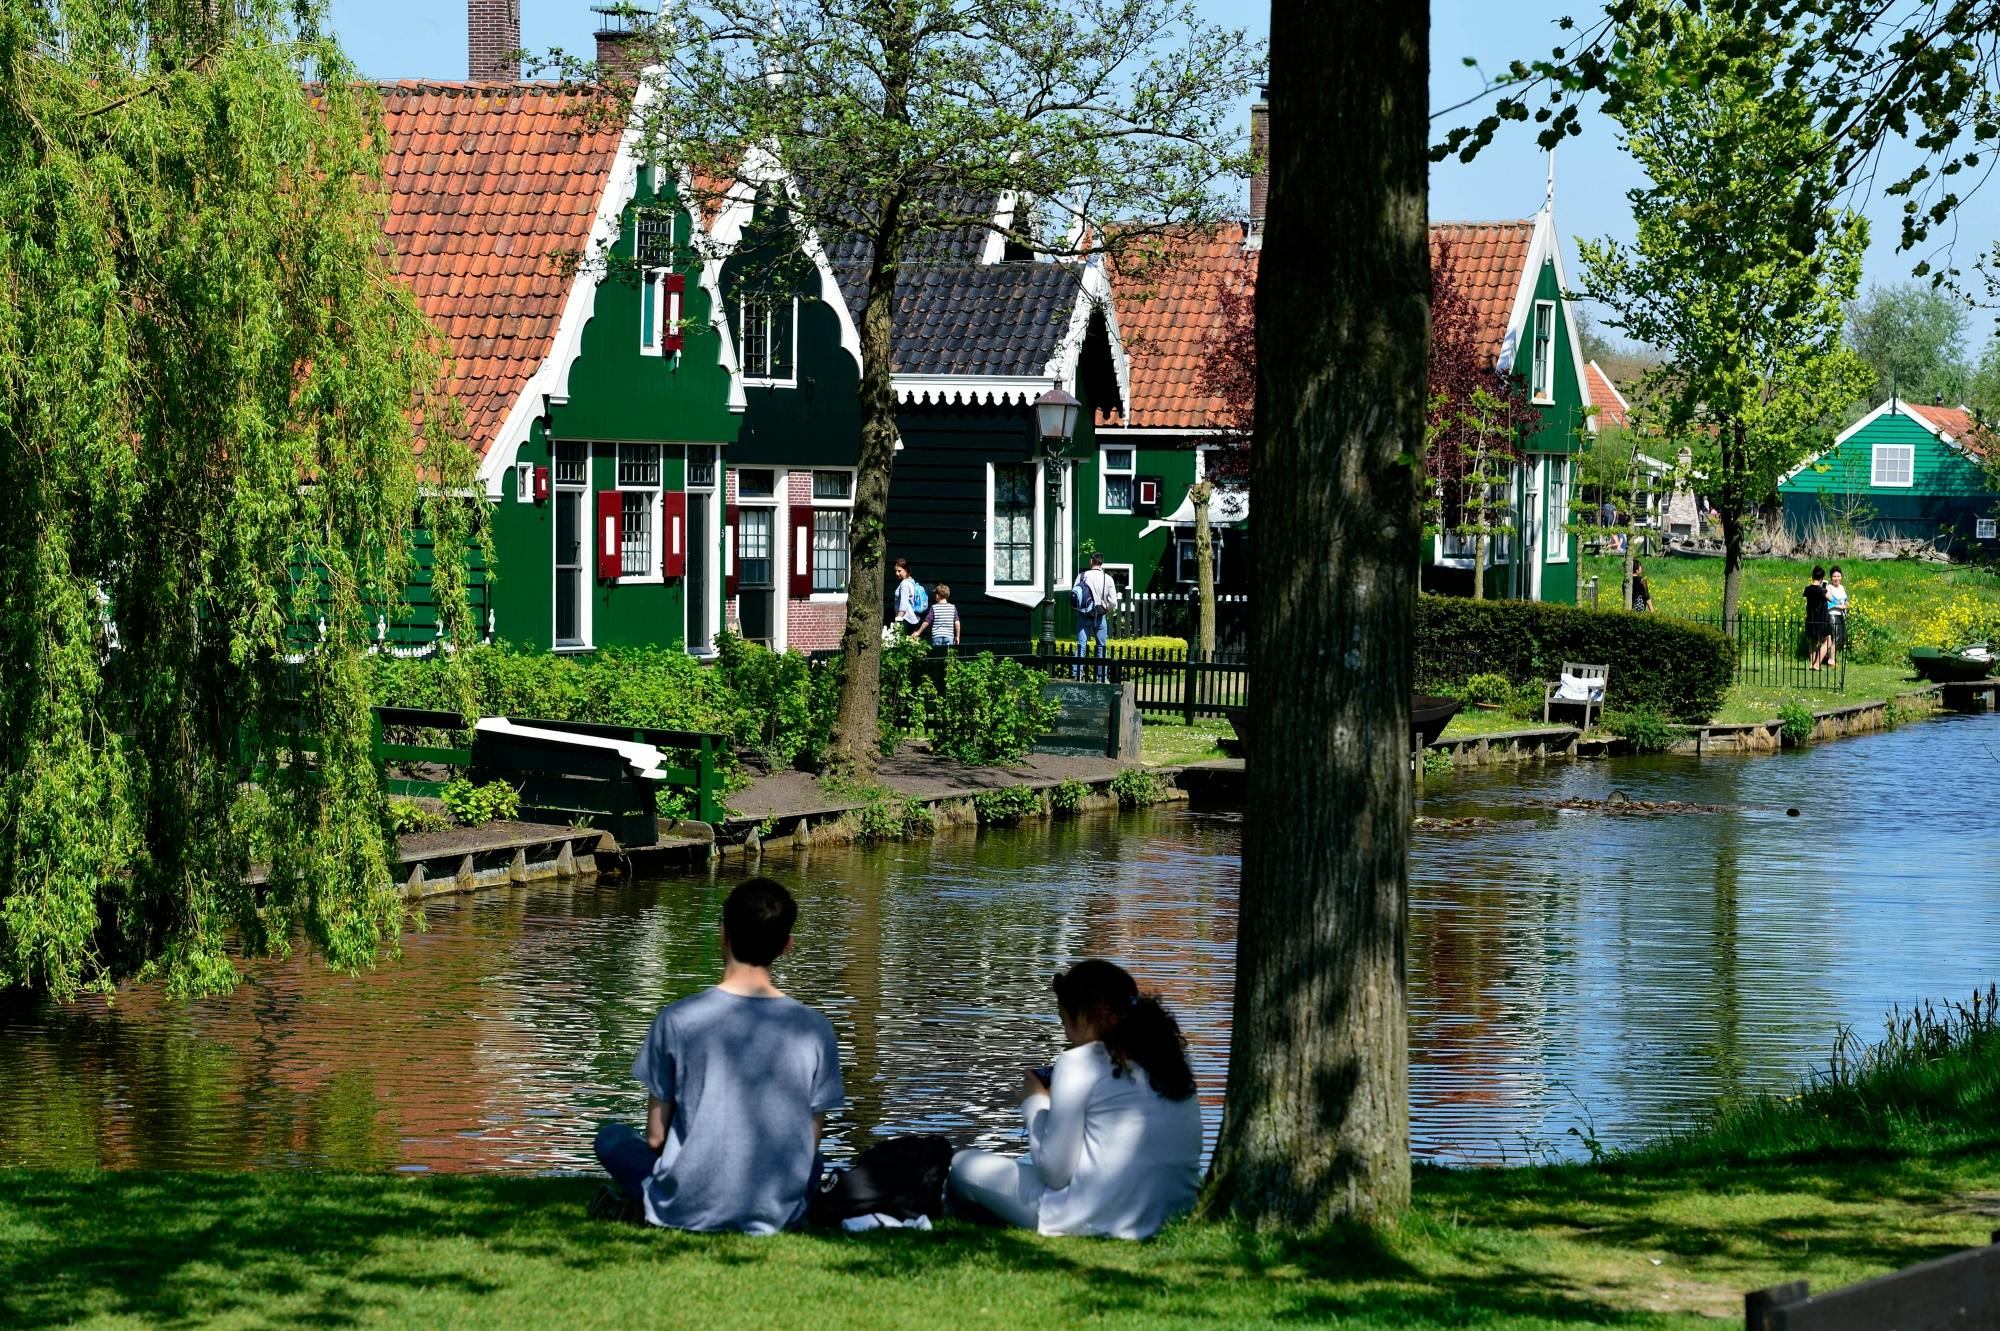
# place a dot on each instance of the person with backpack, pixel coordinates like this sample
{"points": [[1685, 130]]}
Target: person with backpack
{"points": [[912, 602], [1095, 596], [739, 1080], [1114, 1126]]}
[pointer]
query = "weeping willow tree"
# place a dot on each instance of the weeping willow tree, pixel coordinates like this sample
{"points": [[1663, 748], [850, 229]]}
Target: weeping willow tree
{"points": [[208, 475]]}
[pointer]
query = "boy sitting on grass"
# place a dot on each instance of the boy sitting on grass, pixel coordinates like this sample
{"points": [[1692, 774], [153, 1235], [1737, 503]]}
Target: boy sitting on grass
{"points": [[738, 1080]]}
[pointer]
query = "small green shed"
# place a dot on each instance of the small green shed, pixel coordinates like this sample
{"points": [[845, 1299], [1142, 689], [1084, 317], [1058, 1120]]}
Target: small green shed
{"points": [[1902, 472]]}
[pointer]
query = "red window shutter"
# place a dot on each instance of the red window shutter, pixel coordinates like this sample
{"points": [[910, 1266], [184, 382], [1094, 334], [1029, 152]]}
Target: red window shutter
{"points": [[729, 521], [673, 534], [610, 510], [671, 338], [802, 552]]}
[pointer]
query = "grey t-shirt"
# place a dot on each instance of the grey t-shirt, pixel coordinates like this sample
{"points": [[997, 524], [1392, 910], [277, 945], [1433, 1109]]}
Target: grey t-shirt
{"points": [[746, 1076]]}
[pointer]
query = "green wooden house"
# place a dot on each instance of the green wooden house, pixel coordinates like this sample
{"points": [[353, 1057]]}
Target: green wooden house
{"points": [[1902, 472]]}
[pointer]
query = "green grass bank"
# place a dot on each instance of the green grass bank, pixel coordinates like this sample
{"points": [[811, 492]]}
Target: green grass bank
{"points": [[1892, 1157]]}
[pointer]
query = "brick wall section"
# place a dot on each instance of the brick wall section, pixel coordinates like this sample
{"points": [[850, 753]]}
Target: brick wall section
{"points": [[732, 621], [493, 34], [811, 626], [1260, 147]]}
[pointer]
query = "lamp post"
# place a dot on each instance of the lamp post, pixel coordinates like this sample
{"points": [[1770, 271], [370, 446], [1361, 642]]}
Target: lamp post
{"points": [[1055, 421]]}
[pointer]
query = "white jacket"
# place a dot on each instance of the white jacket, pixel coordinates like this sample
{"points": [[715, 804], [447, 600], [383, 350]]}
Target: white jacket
{"points": [[1119, 1159]]}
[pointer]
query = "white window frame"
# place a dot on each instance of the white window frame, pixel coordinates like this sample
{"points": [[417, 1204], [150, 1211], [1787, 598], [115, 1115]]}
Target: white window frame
{"points": [[791, 380], [1986, 529], [1908, 453], [1115, 572], [1105, 471], [781, 588], [586, 547], [708, 497], [1558, 519], [1184, 557], [654, 299], [1036, 589], [654, 514], [813, 506], [1496, 546], [1542, 353]]}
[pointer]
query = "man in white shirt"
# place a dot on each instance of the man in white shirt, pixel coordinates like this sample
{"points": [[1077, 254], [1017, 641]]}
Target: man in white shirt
{"points": [[1096, 596]]}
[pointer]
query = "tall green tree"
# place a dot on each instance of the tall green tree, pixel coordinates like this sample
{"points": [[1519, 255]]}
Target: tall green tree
{"points": [[1315, 1126], [1740, 272], [1109, 121], [207, 378], [1913, 336]]}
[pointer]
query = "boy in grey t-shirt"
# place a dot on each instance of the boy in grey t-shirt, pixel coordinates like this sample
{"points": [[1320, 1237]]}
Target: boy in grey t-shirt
{"points": [[738, 1081]]}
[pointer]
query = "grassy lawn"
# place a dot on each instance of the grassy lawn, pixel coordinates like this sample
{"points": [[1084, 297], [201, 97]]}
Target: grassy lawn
{"points": [[1846, 1180], [1169, 743], [1865, 683], [1471, 721], [1898, 604]]}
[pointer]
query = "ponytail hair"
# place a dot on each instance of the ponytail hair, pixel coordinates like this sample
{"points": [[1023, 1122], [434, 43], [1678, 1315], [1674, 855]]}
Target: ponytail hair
{"points": [[1134, 1027]]}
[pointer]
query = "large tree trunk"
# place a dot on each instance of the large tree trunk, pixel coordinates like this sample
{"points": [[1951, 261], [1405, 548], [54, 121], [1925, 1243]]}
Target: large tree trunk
{"points": [[1204, 567], [1315, 1124], [1732, 526], [856, 743]]}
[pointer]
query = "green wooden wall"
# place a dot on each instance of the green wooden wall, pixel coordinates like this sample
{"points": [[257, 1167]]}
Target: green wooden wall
{"points": [[1947, 497]]}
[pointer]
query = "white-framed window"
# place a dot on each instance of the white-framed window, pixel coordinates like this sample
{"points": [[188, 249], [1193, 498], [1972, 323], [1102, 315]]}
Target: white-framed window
{"points": [[701, 467], [653, 251], [832, 525], [1986, 529], [572, 545], [1544, 381], [1115, 483], [1013, 524], [1121, 578], [1559, 532], [639, 512], [1894, 464], [767, 331], [1186, 567]]}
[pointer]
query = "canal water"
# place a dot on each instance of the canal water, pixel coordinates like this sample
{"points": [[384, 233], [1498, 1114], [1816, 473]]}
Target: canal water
{"points": [[1573, 975]]}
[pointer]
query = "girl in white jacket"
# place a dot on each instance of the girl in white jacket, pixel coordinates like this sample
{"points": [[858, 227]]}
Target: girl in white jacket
{"points": [[1114, 1136]]}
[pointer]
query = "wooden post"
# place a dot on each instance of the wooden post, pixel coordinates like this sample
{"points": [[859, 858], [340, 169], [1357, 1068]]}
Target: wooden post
{"points": [[1187, 686], [1758, 1304]]}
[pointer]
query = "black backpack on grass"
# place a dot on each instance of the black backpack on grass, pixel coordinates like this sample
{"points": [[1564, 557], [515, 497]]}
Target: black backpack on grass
{"points": [[903, 1177]]}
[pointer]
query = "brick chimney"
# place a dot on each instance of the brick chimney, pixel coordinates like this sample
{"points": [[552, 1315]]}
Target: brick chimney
{"points": [[619, 51], [1260, 147], [493, 35]]}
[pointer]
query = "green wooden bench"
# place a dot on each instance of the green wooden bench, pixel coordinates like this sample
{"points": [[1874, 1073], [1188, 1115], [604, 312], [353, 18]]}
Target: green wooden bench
{"points": [[700, 774]]}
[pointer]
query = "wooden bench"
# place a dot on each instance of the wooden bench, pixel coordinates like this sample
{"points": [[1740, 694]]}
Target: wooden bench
{"points": [[1598, 676], [1956, 1293]]}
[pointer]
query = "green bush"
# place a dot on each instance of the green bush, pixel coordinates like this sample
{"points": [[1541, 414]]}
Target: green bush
{"points": [[1009, 804], [1795, 722], [1438, 763], [1648, 731], [991, 710], [1677, 669], [1068, 796], [1487, 687], [1136, 787], [472, 805], [895, 820], [1524, 702], [782, 708], [408, 816]]}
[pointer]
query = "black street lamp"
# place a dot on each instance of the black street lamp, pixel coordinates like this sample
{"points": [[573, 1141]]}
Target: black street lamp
{"points": [[1055, 421]]}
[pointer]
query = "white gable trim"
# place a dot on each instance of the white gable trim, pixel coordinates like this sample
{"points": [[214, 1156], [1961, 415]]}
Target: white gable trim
{"points": [[1543, 246], [1095, 296]]}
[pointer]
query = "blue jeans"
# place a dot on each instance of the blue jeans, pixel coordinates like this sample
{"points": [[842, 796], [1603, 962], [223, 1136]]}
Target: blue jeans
{"points": [[1100, 625], [623, 1152]]}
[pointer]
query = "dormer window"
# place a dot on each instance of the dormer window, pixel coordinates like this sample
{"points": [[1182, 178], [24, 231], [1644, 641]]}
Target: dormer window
{"points": [[768, 334], [659, 286], [1545, 351]]}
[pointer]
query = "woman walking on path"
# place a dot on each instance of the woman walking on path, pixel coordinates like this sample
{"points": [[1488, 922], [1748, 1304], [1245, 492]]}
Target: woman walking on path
{"points": [[1114, 1128], [1819, 627]]}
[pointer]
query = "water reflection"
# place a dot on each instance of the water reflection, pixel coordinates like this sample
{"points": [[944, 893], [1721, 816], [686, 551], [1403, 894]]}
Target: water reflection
{"points": [[1615, 976]]}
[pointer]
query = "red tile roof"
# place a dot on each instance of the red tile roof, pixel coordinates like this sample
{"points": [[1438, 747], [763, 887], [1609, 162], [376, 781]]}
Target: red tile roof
{"points": [[1487, 258], [1605, 397], [1958, 425], [491, 189], [1167, 315]]}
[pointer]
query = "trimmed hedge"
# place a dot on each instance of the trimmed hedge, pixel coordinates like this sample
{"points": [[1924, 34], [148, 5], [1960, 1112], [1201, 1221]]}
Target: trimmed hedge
{"points": [[1672, 667]]}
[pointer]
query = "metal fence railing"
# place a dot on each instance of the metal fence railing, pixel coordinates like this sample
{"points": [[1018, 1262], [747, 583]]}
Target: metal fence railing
{"points": [[1776, 651]]}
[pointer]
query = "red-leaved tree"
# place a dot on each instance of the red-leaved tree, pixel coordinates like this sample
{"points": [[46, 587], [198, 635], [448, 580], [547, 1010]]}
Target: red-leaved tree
{"points": [[1229, 377], [1474, 421]]}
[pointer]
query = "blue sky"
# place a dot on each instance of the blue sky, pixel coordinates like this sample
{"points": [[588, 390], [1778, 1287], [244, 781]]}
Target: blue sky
{"points": [[396, 39]]}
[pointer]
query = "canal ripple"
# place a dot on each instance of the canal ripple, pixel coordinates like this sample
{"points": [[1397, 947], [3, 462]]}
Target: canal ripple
{"points": [[1572, 975]]}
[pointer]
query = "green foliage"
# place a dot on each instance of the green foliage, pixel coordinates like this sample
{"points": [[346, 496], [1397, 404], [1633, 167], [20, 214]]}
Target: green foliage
{"points": [[1438, 763], [1797, 722], [408, 816], [1137, 787], [895, 820], [778, 706], [1487, 687], [471, 805], [1912, 336], [1009, 804], [1648, 731], [207, 375], [675, 803], [1677, 669], [908, 694], [1524, 702], [1068, 796], [991, 710]]}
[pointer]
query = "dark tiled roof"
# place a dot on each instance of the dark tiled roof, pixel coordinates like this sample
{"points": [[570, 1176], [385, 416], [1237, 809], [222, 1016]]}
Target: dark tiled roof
{"points": [[491, 187]]}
